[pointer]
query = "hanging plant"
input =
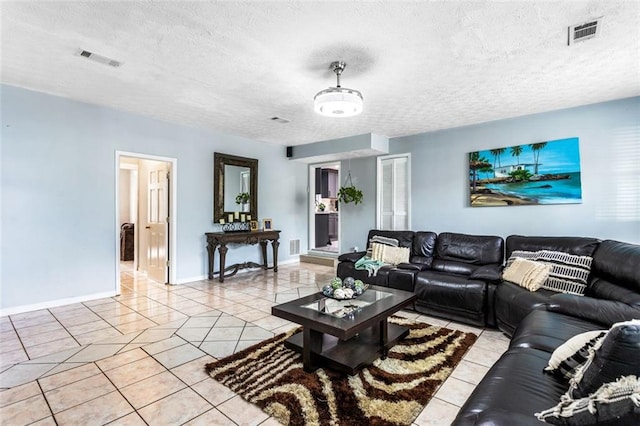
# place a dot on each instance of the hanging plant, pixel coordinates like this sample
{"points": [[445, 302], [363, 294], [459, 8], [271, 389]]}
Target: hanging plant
{"points": [[242, 198], [348, 193]]}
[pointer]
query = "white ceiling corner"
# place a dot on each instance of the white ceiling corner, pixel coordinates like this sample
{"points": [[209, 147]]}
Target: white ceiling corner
{"points": [[231, 66]]}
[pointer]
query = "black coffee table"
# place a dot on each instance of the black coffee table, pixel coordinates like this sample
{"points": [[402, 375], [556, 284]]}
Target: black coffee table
{"points": [[345, 335]]}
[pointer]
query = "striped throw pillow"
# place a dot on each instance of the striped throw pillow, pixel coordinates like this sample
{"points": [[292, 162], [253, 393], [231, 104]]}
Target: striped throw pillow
{"points": [[569, 272], [569, 356], [378, 239]]}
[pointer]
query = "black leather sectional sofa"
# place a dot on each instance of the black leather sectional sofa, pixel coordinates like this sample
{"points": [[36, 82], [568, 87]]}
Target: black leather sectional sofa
{"points": [[458, 277], [454, 275]]}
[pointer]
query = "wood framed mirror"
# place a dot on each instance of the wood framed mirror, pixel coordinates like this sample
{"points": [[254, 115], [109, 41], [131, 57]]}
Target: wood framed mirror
{"points": [[233, 178]]}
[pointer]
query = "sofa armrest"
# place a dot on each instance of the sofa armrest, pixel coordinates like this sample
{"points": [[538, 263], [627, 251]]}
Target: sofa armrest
{"points": [[491, 273], [412, 266], [351, 257], [606, 312]]}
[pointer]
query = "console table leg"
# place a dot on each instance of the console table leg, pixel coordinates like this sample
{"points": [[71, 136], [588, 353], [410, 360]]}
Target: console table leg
{"points": [[211, 249], [263, 246], [223, 254], [275, 244]]}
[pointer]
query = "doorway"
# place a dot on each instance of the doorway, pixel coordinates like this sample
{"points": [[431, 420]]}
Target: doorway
{"points": [[324, 211], [145, 216]]}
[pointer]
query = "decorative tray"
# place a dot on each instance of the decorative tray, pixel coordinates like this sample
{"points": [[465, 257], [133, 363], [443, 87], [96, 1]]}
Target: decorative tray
{"points": [[344, 290]]}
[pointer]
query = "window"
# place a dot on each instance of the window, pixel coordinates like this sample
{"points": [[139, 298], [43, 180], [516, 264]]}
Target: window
{"points": [[394, 190]]}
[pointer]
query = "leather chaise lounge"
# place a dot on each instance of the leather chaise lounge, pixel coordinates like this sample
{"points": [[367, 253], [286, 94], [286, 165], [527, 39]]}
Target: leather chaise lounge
{"points": [[464, 284]]}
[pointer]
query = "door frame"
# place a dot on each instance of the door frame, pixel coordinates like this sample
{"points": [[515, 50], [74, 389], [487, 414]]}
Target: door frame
{"points": [[173, 212], [311, 190]]}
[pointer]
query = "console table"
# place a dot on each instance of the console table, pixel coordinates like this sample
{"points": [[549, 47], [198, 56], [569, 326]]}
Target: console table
{"points": [[221, 239]]}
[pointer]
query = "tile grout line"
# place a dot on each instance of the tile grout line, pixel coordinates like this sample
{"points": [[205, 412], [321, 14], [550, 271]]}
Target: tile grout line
{"points": [[46, 402]]}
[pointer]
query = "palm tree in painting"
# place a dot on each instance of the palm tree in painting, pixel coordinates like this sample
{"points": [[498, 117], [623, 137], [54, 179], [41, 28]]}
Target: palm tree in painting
{"points": [[516, 151], [477, 164], [496, 158], [536, 148]]}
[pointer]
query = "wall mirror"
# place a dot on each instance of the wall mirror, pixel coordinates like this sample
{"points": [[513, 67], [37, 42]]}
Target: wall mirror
{"points": [[235, 186]]}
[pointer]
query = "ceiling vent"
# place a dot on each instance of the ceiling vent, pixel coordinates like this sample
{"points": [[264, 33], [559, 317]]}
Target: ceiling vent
{"points": [[584, 31], [98, 58]]}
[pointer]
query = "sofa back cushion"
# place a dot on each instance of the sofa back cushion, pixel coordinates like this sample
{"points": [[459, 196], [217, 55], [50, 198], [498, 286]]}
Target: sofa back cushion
{"points": [[615, 274], [581, 246], [471, 249], [424, 247]]}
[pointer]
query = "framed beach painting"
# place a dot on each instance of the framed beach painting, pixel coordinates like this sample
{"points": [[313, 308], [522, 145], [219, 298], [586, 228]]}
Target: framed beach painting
{"points": [[538, 173]]}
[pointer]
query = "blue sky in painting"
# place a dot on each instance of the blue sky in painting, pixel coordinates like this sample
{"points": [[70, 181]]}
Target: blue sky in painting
{"points": [[558, 156]]}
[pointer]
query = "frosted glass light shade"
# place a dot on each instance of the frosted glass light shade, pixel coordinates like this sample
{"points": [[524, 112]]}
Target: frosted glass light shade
{"points": [[338, 102]]}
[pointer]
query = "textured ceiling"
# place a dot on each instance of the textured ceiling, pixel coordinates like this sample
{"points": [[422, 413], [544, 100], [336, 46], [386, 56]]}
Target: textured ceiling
{"points": [[231, 66]]}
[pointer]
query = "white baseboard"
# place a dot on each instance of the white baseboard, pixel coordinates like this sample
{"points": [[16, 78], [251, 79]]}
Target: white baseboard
{"points": [[191, 279], [295, 259], [54, 303]]}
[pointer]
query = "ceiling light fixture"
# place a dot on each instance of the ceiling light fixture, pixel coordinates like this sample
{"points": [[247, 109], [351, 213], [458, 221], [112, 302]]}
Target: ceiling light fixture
{"points": [[338, 101]]}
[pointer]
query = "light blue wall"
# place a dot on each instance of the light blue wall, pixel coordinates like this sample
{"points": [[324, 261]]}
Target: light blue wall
{"points": [[58, 187], [357, 220], [58, 194], [610, 161]]}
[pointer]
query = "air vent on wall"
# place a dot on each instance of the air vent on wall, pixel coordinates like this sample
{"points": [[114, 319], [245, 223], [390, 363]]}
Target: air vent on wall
{"points": [[584, 31], [294, 247], [98, 58]]}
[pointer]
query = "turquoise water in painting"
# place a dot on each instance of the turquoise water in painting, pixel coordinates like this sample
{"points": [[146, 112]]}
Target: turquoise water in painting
{"points": [[544, 191]]}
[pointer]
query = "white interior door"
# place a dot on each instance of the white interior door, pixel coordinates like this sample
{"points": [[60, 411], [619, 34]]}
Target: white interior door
{"points": [[157, 222]]}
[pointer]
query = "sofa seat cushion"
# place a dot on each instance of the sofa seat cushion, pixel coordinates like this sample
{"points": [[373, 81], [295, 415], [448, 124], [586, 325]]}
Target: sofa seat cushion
{"points": [[456, 294], [546, 330], [513, 303], [515, 385]]}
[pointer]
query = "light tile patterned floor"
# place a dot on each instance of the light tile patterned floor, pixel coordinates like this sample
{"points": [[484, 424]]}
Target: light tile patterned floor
{"points": [[139, 358]]}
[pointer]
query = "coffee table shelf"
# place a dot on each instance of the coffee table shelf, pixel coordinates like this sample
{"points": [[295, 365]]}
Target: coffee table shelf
{"points": [[348, 356]]}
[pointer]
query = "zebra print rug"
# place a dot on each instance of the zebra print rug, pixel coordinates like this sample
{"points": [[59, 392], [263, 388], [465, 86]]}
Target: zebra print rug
{"points": [[392, 391]]}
